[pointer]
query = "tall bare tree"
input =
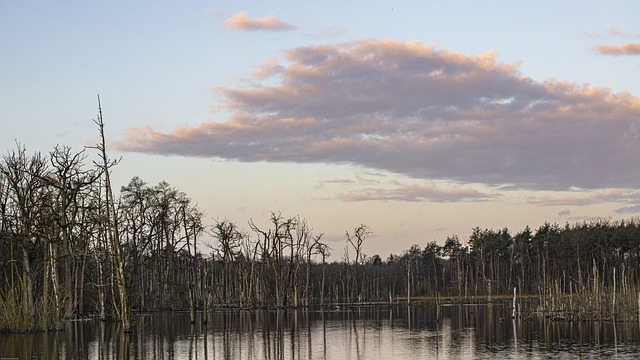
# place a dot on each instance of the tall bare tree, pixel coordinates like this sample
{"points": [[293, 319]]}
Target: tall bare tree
{"points": [[112, 228]]}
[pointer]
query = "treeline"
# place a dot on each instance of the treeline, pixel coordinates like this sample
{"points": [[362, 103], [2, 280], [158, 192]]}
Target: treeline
{"points": [[69, 248], [60, 239]]}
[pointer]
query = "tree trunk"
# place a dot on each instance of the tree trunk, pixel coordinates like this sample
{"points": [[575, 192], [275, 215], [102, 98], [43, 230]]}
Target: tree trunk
{"points": [[27, 290], [112, 231], [205, 295]]}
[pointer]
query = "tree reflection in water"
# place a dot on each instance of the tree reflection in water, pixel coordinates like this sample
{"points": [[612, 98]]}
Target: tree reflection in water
{"points": [[457, 331]]}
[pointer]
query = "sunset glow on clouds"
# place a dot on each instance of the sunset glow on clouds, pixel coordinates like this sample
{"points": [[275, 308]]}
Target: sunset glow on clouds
{"points": [[625, 49], [613, 34], [411, 109], [242, 21], [418, 119], [414, 192]]}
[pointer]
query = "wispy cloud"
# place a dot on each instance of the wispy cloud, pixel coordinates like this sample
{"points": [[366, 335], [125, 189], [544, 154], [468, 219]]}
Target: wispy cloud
{"points": [[330, 32], [624, 49], [631, 48], [415, 192], [388, 187], [616, 32], [411, 109], [213, 11], [635, 209], [324, 183], [242, 21], [584, 198]]}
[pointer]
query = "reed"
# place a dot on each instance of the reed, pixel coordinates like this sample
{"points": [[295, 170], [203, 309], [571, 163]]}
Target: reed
{"points": [[14, 316], [595, 299], [50, 319]]}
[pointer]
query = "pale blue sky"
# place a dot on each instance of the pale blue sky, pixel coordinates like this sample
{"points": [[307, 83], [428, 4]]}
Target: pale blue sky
{"points": [[352, 138]]}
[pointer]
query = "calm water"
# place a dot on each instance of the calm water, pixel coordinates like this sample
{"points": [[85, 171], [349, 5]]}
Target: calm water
{"points": [[374, 332]]}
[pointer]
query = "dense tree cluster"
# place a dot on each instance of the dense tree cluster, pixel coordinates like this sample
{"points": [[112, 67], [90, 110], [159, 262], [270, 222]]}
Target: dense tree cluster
{"points": [[69, 248]]}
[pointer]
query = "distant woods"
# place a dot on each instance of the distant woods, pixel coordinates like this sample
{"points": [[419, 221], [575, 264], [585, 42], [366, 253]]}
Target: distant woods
{"points": [[70, 248]]}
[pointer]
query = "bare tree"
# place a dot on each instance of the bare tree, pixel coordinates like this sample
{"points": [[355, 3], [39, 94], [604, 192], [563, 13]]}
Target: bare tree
{"points": [[229, 241], [273, 243], [325, 251], [356, 240], [24, 203], [192, 222], [135, 212], [70, 181], [111, 227]]}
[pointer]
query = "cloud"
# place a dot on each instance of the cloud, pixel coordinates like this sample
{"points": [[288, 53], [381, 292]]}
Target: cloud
{"points": [[625, 49], [614, 33], [242, 21], [364, 188], [359, 180], [323, 183], [628, 210], [584, 198], [415, 192], [213, 11], [411, 109], [564, 213], [330, 32]]}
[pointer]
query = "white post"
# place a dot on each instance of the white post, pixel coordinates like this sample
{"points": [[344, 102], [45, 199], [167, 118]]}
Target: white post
{"points": [[513, 315], [513, 319], [614, 291]]}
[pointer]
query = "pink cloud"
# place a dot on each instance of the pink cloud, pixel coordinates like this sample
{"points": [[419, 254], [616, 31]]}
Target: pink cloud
{"points": [[414, 192], [625, 49], [242, 21], [411, 109]]}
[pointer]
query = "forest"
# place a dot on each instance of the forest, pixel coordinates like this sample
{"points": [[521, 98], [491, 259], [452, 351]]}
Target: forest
{"points": [[71, 247]]}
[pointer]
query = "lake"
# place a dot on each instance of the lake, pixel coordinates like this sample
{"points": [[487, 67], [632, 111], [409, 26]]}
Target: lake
{"points": [[419, 330]]}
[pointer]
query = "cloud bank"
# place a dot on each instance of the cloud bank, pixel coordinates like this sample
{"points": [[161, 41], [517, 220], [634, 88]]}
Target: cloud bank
{"points": [[411, 109], [242, 21]]}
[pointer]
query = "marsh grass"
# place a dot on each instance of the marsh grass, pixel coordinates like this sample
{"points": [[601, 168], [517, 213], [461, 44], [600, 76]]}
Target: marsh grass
{"points": [[14, 315], [596, 299]]}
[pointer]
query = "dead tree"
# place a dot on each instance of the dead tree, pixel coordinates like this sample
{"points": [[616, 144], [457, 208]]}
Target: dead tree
{"points": [[111, 227], [23, 209], [356, 240]]}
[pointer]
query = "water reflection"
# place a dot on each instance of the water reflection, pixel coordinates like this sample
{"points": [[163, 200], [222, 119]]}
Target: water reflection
{"points": [[400, 332]]}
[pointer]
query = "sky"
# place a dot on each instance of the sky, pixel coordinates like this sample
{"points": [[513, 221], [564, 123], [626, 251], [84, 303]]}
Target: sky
{"points": [[421, 120]]}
